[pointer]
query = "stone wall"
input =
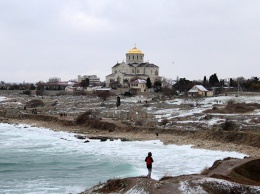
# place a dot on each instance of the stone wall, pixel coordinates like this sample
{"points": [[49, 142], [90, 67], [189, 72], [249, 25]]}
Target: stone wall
{"points": [[4, 92], [33, 92]]}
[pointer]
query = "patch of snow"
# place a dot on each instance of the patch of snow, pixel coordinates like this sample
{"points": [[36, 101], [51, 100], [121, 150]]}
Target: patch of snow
{"points": [[136, 190], [135, 99], [206, 103], [215, 121], [187, 189], [176, 101], [223, 184], [2, 98]]}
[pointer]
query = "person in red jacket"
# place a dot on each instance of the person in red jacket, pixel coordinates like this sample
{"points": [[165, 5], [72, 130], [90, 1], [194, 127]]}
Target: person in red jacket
{"points": [[149, 161]]}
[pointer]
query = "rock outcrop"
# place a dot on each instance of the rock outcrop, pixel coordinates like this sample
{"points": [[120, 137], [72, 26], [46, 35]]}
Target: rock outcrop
{"points": [[227, 176]]}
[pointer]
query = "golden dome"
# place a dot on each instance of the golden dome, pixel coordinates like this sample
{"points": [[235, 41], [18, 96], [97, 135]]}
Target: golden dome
{"points": [[135, 51]]}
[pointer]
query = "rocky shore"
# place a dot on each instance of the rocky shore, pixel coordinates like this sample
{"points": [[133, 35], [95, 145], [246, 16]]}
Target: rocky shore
{"points": [[199, 140], [135, 121], [227, 176]]}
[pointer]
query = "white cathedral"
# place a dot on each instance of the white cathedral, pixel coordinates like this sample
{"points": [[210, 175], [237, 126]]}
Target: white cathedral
{"points": [[134, 68]]}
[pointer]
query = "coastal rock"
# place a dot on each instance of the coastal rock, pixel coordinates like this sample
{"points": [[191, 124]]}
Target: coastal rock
{"points": [[105, 138], [80, 136], [227, 176]]}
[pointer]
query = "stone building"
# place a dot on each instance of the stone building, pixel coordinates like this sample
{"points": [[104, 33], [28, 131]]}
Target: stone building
{"points": [[93, 79], [133, 68]]}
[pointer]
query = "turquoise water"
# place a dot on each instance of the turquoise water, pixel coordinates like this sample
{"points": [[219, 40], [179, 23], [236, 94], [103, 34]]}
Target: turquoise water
{"points": [[38, 160]]}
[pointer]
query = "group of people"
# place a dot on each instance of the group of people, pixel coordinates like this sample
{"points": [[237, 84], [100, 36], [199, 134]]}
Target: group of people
{"points": [[63, 114], [34, 111]]}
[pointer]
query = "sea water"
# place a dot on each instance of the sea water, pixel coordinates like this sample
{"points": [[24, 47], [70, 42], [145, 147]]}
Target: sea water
{"points": [[39, 160]]}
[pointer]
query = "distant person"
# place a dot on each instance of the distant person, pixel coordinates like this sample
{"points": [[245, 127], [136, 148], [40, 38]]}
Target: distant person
{"points": [[118, 101], [149, 161]]}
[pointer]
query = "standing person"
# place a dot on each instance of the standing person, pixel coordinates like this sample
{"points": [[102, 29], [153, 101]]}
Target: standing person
{"points": [[149, 161], [118, 101]]}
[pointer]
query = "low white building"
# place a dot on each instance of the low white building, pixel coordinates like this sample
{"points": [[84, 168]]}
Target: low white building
{"points": [[138, 85], [199, 90]]}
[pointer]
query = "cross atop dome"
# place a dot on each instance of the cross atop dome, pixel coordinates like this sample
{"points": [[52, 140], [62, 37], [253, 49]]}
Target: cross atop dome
{"points": [[135, 51]]}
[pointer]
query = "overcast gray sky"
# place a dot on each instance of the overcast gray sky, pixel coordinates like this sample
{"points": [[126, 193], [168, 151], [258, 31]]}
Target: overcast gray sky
{"points": [[40, 39]]}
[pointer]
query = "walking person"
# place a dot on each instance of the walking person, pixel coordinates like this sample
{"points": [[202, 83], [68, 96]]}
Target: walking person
{"points": [[149, 161]]}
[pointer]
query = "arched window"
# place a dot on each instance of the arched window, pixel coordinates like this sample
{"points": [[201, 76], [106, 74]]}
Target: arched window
{"points": [[156, 73], [137, 57], [133, 57]]}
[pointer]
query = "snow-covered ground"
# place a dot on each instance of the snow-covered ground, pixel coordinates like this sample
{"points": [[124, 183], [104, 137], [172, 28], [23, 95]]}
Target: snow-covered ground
{"points": [[188, 111], [177, 110], [2, 98]]}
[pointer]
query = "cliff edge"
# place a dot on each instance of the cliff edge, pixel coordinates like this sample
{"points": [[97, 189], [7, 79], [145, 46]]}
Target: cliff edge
{"points": [[229, 176]]}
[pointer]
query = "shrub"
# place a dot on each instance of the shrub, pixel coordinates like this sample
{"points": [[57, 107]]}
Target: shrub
{"points": [[34, 103], [39, 92], [27, 92], [139, 122], [205, 171], [82, 118], [239, 108], [228, 125], [234, 108], [165, 121], [231, 102]]}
